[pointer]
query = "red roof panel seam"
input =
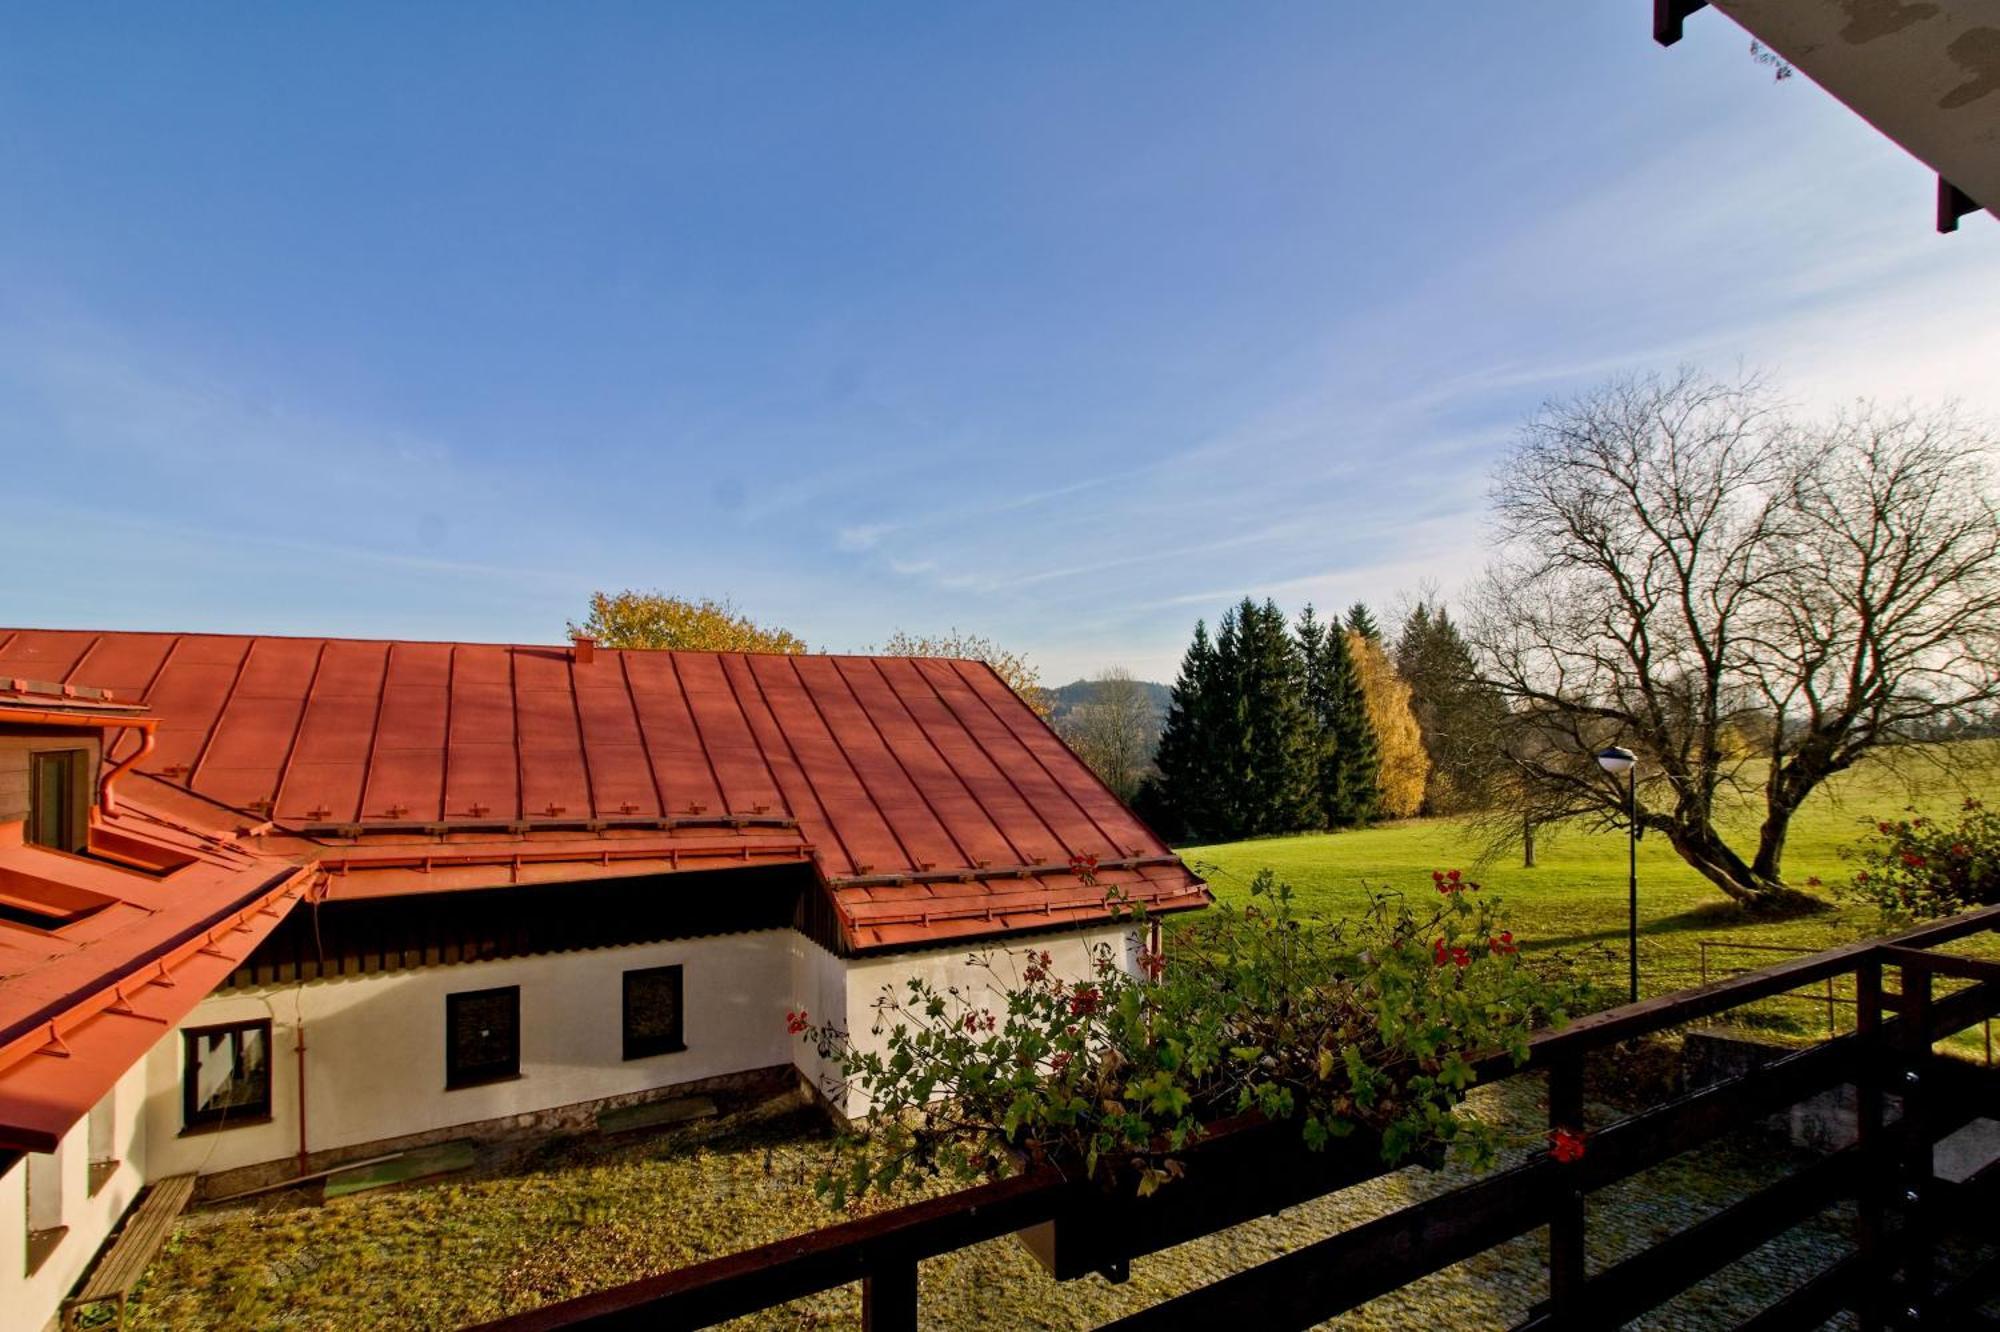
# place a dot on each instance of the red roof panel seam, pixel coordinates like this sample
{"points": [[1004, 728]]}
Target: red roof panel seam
{"points": [[700, 738], [1091, 775], [68, 678], [450, 722], [520, 760], [1029, 749], [374, 736], [582, 740], [998, 766], [965, 857], [909, 856], [949, 766], [826, 817], [736, 697], [221, 711], [153, 682], [645, 740], [298, 729]]}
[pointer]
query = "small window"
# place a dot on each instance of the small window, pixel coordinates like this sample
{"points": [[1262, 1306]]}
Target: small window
{"points": [[58, 817], [226, 1075], [482, 1036], [653, 1012]]}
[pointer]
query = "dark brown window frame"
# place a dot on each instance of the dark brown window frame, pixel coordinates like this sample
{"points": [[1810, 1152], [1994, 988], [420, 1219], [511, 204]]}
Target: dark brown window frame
{"points": [[645, 1047], [481, 1075], [196, 1120]]}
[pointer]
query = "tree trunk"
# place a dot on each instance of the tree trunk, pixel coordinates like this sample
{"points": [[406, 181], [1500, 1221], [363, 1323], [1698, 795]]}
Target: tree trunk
{"points": [[1771, 844], [1700, 846], [1790, 782], [1527, 843]]}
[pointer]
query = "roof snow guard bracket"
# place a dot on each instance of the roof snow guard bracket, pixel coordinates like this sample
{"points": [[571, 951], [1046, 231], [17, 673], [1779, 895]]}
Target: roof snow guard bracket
{"points": [[1953, 203], [1668, 15]]}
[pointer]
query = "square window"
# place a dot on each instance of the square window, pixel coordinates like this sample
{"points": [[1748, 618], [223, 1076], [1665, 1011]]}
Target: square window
{"points": [[653, 1012], [226, 1075], [482, 1036]]}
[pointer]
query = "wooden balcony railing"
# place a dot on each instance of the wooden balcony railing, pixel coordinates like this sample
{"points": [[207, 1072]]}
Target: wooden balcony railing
{"points": [[1888, 1279]]}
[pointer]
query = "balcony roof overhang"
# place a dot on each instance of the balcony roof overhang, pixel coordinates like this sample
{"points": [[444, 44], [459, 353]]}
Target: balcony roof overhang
{"points": [[1925, 74]]}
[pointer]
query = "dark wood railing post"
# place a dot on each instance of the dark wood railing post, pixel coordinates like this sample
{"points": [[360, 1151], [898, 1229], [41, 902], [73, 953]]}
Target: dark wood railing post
{"points": [[1918, 1163], [889, 1297], [1873, 1066], [1568, 1254]]}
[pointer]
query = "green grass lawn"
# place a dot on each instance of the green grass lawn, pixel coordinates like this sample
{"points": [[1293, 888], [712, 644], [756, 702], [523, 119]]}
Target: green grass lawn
{"points": [[1574, 900]]}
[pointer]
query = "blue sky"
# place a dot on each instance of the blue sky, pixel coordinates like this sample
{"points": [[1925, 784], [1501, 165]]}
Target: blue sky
{"points": [[1063, 324]]}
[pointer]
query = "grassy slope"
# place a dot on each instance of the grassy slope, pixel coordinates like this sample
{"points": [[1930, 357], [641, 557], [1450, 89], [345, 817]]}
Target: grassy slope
{"points": [[1575, 899]]}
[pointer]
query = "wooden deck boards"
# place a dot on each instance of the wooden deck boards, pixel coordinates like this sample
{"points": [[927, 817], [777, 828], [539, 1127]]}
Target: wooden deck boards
{"points": [[146, 1228]]}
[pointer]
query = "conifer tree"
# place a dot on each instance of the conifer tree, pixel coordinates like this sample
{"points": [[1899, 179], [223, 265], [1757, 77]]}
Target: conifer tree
{"points": [[1361, 621], [1179, 801], [1277, 779], [1353, 794], [1461, 718], [1322, 705]]}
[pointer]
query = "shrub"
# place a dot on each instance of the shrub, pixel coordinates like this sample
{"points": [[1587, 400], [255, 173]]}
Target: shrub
{"points": [[1372, 1025], [1919, 867]]}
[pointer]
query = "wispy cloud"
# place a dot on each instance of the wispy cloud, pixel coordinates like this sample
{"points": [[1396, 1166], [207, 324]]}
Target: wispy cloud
{"points": [[864, 536]]}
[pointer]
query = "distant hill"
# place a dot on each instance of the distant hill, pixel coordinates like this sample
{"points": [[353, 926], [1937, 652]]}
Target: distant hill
{"points": [[1066, 698]]}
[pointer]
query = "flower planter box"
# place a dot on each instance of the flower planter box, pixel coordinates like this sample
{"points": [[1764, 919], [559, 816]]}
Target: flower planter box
{"points": [[1243, 1169]]}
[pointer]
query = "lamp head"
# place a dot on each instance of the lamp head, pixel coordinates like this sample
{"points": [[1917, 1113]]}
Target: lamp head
{"points": [[1617, 760]]}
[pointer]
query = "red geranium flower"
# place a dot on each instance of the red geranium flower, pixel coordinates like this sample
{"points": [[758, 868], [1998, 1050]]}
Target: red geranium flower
{"points": [[1566, 1145], [1504, 943], [1084, 1001], [796, 1022]]}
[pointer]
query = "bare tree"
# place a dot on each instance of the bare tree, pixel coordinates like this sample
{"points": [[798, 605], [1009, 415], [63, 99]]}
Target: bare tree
{"points": [[1115, 732], [1750, 603]]}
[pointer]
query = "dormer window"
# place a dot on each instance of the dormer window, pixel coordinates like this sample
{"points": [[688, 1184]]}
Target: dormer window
{"points": [[58, 799]]}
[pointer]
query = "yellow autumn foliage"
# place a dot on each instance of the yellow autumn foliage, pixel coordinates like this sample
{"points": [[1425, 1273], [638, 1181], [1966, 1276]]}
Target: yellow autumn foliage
{"points": [[632, 619], [1405, 767]]}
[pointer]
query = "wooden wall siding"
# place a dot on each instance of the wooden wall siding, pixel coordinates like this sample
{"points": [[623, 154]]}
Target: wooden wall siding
{"points": [[360, 938], [17, 744]]}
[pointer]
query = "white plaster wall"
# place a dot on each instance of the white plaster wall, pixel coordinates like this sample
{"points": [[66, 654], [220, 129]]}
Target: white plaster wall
{"points": [[375, 1060], [845, 991], [375, 1057], [29, 1302]]}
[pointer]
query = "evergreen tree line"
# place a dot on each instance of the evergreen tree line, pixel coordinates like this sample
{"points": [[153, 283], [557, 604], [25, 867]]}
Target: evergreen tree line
{"points": [[1280, 727]]}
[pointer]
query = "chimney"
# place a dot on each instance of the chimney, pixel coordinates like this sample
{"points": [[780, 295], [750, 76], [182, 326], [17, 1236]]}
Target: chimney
{"points": [[582, 648]]}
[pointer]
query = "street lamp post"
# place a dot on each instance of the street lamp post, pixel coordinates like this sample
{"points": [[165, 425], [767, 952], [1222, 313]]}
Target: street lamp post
{"points": [[1619, 761]]}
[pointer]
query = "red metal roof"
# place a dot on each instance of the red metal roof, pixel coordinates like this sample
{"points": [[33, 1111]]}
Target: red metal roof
{"points": [[129, 940], [935, 804]]}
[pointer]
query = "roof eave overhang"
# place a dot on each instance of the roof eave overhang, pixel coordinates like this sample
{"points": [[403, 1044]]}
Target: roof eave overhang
{"points": [[1917, 73], [58, 1061]]}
